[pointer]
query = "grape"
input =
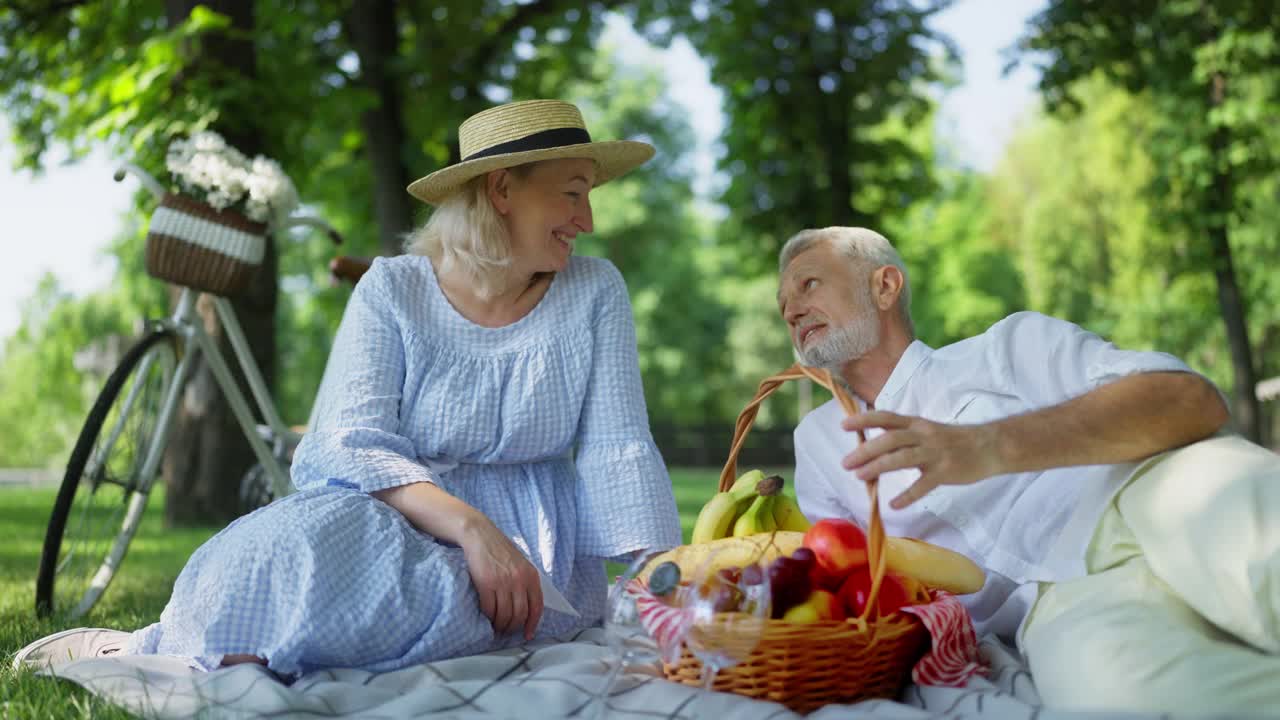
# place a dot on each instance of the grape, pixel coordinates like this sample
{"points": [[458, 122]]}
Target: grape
{"points": [[752, 575], [664, 578], [726, 598], [804, 555], [789, 584], [730, 575]]}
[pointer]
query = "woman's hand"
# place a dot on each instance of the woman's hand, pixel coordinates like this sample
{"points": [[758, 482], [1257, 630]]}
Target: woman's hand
{"points": [[507, 583]]}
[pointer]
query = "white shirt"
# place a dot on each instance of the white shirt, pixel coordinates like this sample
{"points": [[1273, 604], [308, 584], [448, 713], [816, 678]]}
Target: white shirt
{"points": [[1022, 528]]}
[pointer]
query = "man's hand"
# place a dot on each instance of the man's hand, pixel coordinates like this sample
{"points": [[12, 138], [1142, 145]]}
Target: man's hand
{"points": [[944, 454], [1127, 420]]}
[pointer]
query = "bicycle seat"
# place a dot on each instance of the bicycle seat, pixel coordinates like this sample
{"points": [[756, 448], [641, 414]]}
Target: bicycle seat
{"points": [[345, 268]]}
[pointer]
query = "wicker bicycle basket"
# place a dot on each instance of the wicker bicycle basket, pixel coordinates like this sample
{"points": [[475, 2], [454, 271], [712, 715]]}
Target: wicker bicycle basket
{"points": [[806, 666], [192, 244]]}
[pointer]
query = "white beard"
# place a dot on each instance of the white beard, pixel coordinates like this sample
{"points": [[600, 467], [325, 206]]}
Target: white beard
{"points": [[843, 344]]}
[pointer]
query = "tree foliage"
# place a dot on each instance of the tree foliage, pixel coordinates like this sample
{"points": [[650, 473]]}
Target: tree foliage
{"points": [[817, 99], [1112, 211], [1071, 202], [451, 62], [1211, 71]]}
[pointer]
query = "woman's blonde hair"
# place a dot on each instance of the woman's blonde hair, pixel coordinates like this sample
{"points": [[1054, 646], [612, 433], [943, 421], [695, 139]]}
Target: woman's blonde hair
{"points": [[466, 234]]}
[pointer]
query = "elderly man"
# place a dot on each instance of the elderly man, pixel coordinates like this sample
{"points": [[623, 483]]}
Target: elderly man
{"points": [[1132, 547]]}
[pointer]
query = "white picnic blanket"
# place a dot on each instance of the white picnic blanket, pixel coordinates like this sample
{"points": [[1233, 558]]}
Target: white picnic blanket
{"points": [[537, 681]]}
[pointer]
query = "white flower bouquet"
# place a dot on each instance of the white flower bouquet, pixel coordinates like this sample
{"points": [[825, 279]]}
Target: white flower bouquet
{"points": [[207, 169], [211, 235]]}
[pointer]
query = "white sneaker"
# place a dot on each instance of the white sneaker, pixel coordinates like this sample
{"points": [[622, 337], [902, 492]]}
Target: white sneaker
{"points": [[70, 645]]}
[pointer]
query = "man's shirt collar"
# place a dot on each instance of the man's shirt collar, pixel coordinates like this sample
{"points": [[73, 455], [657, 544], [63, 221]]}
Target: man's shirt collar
{"points": [[915, 354]]}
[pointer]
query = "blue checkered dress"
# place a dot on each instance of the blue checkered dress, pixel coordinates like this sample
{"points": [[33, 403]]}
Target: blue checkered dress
{"points": [[541, 425]]}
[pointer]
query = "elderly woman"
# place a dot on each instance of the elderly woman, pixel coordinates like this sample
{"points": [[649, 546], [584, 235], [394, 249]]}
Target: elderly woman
{"points": [[484, 426]]}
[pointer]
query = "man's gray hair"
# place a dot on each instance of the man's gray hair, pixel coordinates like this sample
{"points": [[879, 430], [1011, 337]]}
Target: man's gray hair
{"points": [[866, 249]]}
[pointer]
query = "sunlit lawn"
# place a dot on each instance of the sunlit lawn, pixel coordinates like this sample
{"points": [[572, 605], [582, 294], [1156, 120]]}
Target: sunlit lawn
{"points": [[139, 591], [134, 599]]}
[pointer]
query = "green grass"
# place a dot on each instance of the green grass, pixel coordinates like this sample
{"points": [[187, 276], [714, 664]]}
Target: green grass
{"points": [[140, 589], [134, 599]]}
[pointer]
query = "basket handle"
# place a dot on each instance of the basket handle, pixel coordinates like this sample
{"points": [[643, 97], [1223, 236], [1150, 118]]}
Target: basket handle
{"points": [[875, 532]]}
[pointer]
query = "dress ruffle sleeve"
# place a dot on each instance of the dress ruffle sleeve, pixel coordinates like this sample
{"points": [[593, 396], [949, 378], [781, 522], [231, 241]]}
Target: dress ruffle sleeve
{"points": [[625, 500], [356, 440]]}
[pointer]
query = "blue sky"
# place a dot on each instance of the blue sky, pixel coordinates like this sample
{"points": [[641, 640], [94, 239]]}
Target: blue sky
{"points": [[59, 221]]}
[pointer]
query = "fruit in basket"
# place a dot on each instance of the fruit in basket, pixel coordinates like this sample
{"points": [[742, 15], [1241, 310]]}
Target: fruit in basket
{"points": [[804, 555], [757, 519], [819, 579], [717, 516], [717, 595], [838, 545], [820, 606], [788, 584], [731, 574], [856, 590], [726, 552], [936, 567], [787, 515], [757, 600]]}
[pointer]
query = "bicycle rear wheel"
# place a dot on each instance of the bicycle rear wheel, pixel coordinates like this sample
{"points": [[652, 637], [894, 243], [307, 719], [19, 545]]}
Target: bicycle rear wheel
{"points": [[104, 491]]}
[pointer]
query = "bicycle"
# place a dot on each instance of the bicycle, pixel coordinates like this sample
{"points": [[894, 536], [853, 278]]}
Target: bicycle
{"points": [[116, 458]]}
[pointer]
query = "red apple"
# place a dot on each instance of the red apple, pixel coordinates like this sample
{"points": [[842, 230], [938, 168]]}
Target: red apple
{"points": [[838, 546], [857, 588], [822, 579]]}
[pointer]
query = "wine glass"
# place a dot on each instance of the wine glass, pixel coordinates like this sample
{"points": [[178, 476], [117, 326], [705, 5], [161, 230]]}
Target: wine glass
{"points": [[628, 640], [730, 609]]}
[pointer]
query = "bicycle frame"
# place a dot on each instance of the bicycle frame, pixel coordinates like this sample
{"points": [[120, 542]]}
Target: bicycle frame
{"points": [[270, 442], [186, 324]]}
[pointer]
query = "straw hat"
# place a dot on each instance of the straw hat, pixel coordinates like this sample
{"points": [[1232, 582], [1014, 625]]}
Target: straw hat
{"points": [[524, 132]]}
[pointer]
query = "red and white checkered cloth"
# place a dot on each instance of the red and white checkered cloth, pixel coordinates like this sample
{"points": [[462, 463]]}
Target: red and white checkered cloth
{"points": [[951, 661], [954, 657], [667, 625]]}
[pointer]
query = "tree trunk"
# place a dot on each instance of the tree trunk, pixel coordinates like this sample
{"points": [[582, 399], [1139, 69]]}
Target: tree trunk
{"points": [[208, 454], [837, 136], [1246, 411], [375, 35]]}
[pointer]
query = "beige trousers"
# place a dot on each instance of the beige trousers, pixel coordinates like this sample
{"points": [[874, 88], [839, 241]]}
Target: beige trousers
{"points": [[1180, 611]]}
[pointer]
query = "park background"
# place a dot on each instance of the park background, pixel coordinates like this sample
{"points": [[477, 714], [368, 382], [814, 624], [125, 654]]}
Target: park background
{"points": [[1113, 164]]}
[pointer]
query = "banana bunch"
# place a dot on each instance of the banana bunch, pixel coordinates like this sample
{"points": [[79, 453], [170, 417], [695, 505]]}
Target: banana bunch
{"points": [[707, 558], [753, 505]]}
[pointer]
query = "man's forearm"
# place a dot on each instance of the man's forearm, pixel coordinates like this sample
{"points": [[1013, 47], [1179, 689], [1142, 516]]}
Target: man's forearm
{"points": [[1124, 421]]}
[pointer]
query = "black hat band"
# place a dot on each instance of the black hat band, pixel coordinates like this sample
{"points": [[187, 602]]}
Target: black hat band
{"points": [[544, 140]]}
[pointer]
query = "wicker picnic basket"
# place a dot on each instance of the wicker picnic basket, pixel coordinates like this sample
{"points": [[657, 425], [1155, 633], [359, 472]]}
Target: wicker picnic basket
{"points": [[193, 244], [806, 666]]}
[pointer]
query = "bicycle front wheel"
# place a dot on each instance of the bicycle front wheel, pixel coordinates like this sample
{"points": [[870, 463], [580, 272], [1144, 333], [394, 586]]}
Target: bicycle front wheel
{"points": [[105, 489]]}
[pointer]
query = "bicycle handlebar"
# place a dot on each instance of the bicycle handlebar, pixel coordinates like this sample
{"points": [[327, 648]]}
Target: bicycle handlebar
{"points": [[313, 221], [148, 182], [155, 188]]}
